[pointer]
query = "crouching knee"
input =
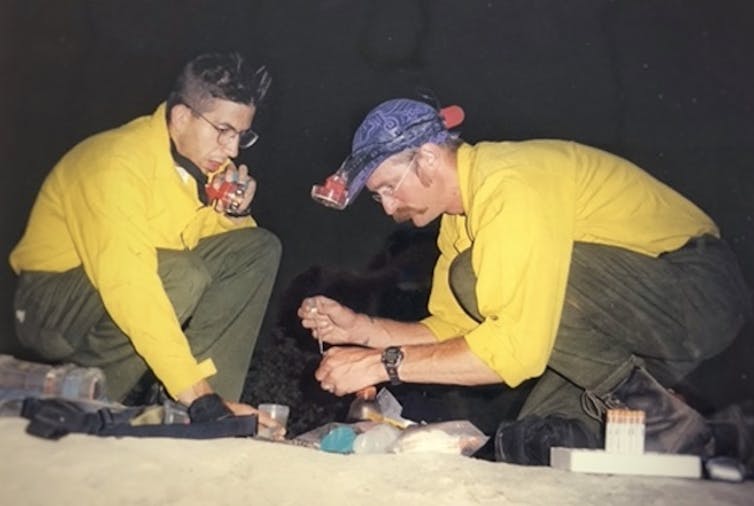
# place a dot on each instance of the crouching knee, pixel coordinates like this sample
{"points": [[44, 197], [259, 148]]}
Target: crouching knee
{"points": [[184, 278], [259, 248]]}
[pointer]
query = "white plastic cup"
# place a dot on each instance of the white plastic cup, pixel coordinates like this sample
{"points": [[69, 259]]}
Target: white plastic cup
{"points": [[278, 412]]}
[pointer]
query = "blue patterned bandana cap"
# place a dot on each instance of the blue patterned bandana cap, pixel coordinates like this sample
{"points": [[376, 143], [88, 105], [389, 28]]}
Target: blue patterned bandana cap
{"points": [[390, 128]]}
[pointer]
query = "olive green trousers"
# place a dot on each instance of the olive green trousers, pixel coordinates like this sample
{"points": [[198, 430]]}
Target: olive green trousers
{"points": [[219, 291], [624, 309]]}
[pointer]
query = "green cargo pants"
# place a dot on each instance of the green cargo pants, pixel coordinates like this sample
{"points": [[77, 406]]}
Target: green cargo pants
{"points": [[219, 291], [624, 309]]}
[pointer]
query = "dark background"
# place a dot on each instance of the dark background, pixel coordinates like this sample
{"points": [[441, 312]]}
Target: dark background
{"points": [[666, 83]]}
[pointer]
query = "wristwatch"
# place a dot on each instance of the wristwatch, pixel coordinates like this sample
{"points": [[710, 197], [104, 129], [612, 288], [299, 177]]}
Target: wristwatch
{"points": [[392, 357]]}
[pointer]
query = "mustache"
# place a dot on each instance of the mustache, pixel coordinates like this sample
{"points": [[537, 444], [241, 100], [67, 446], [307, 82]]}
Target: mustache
{"points": [[404, 213]]}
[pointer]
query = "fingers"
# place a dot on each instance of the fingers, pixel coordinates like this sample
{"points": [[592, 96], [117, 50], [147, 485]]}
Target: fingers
{"points": [[240, 409], [323, 374], [251, 189], [330, 389], [333, 389], [236, 201], [312, 312], [347, 369], [367, 393], [327, 374], [251, 185], [318, 322], [243, 172], [231, 173], [320, 326], [264, 419], [315, 303]]}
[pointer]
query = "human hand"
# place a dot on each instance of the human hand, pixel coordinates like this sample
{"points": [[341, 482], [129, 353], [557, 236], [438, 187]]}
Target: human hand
{"points": [[238, 193], [329, 320], [263, 419], [348, 369], [202, 388]]}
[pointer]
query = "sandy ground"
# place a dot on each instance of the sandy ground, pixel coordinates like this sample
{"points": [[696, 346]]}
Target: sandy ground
{"points": [[84, 470]]}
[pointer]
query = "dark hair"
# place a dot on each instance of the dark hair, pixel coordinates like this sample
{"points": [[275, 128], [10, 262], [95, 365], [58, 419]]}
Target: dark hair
{"points": [[225, 76]]}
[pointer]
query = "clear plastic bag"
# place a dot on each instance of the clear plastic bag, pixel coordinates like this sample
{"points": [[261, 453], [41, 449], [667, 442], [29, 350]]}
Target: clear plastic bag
{"points": [[333, 437], [459, 437], [19, 379], [377, 439], [383, 430]]}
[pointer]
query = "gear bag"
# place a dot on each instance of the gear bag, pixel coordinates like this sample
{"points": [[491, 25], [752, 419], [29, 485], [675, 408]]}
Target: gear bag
{"points": [[53, 418]]}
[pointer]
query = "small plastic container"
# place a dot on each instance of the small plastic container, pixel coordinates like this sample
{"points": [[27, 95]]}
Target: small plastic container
{"points": [[278, 412]]}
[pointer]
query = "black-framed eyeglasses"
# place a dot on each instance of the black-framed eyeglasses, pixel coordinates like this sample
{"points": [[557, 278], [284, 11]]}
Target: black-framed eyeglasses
{"points": [[227, 134]]}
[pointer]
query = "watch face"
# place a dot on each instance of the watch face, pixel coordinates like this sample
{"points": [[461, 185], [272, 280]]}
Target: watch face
{"points": [[392, 355]]}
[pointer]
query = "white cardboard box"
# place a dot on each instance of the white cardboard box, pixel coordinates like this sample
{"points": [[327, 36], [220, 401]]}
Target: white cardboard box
{"points": [[642, 464]]}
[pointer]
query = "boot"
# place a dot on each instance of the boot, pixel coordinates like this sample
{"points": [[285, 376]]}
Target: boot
{"points": [[733, 429], [672, 426], [528, 441]]}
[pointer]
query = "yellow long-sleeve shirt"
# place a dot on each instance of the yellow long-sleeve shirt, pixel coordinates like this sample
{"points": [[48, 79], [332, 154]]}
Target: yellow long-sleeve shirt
{"points": [[525, 204], [108, 205]]}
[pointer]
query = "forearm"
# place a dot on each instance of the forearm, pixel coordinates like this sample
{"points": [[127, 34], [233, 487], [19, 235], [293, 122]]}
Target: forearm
{"points": [[450, 362], [347, 369], [189, 395], [382, 332]]}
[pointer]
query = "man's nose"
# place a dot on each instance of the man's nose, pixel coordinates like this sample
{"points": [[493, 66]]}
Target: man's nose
{"points": [[389, 204], [230, 148]]}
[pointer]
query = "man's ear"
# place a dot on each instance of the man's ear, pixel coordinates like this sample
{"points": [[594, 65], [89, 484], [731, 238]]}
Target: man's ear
{"points": [[427, 165], [179, 116]]}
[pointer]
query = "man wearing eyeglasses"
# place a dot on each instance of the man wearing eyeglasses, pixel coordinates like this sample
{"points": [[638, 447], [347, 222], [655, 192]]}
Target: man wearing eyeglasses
{"points": [[129, 264], [558, 261]]}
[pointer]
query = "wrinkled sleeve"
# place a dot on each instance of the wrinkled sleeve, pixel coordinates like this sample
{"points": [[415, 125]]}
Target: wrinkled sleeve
{"points": [[521, 254], [110, 230]]}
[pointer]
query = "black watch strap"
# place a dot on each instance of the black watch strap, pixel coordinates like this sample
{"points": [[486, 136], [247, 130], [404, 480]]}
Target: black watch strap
{"points": [[392, 356], [245, 212]]}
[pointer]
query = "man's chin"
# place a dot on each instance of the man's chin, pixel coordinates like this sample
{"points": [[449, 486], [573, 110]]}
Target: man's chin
{"points": [[211, 166], [420, 221]]}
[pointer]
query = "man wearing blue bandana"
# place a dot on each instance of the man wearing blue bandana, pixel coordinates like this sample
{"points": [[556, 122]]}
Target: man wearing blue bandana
{"points": [[558, 261]]}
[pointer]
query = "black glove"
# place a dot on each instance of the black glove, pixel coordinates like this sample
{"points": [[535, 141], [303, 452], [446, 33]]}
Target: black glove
{"points": [[208, 408]]}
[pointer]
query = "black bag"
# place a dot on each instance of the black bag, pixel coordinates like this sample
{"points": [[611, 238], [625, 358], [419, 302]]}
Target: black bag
{"points": [[53, 418]]}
